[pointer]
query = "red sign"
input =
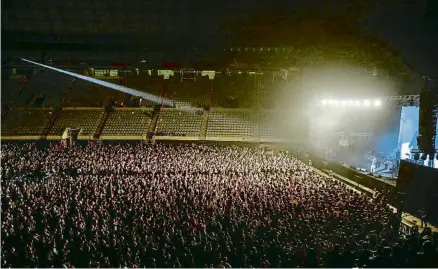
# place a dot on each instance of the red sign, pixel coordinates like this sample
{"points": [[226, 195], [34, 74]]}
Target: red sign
{"points": [[119, 64], [171, 65]]}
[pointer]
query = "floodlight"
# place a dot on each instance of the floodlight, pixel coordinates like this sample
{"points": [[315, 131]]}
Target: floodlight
{"points": [[366, 103], [377, 103]]}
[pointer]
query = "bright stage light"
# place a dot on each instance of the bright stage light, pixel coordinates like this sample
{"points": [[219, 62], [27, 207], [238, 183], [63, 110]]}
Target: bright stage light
{"points": [[377, 103], [366, 103], [351, 103]]}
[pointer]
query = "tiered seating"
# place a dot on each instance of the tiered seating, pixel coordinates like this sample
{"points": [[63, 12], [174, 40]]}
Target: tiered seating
{"points": [[269, 126], [179, 122], [9, 87], [188, 91], [87, 94], [234, 92], [85, 118], [30, 122], [230, 123], [128, 122]]}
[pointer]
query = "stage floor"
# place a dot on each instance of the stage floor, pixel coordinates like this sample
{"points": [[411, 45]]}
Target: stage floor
{"points": [[383, 178]]}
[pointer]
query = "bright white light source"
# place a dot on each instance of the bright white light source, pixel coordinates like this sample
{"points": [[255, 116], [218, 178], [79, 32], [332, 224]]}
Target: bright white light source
{"points": [[336, 102], [357, 103], [350, 102], [330, 102], [324, 102], [377, 103], [366, 103], [343, 102]]}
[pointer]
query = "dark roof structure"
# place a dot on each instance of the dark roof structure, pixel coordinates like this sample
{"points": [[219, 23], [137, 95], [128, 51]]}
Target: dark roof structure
{"points": [[191, 32]]}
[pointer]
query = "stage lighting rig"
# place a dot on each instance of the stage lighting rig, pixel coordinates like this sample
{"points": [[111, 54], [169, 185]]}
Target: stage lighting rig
{"points": [[366, 103], [351, 103], [377, 103]]}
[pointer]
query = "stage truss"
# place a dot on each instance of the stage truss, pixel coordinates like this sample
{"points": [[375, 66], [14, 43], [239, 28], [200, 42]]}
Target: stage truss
{"points": [[404, 100]]}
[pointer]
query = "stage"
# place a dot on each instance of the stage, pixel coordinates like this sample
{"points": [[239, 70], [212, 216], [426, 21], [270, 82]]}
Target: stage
{"points": [[374, 140]]}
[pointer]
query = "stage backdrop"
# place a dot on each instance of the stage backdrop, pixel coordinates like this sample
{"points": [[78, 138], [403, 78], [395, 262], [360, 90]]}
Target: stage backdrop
{"points": [[418, 185], [409, 131]]}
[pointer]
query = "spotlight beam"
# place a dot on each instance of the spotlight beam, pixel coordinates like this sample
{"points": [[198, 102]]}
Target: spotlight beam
{"points": [[148, 96]]}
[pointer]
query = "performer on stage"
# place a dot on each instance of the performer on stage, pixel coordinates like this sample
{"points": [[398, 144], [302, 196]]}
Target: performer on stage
{"points": [[373, 165]]}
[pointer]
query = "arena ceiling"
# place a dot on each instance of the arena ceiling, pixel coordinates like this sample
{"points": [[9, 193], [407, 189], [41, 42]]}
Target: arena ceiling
{"points": [[201, 30]]}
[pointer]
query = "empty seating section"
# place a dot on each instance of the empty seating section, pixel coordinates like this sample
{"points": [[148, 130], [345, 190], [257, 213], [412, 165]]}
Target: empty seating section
{"points": [[88, 94], [49, 86], [234, 92], [268, 128], [188, 91], [30, 122], [86, 119], [9, 87], [128, 122], [230, 123], [179, 122]]}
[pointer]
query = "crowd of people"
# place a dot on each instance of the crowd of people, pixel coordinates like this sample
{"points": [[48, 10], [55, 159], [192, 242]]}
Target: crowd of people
{"points": [[191, 205]]}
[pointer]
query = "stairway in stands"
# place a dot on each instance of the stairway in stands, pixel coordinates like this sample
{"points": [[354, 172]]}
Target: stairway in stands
{"points": [[109, 108], [57, 110], [7, 107], [153, 125], [204, 123]]}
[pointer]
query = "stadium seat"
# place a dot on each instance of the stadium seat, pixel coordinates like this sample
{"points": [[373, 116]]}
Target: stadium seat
{"points": [[179, 122], [230, 123], [25, 122], [128, 122], [86, 119]]}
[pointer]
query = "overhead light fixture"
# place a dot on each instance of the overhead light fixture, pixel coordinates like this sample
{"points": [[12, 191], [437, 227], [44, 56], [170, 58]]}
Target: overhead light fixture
{"points": [[324, 102], [357, 103]]}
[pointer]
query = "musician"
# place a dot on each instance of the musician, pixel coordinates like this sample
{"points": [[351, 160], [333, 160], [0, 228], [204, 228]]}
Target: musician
{"points": [[373, 165]]}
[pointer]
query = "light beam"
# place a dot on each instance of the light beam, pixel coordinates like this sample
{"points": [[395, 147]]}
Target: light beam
{"points": [[148, 96]]}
